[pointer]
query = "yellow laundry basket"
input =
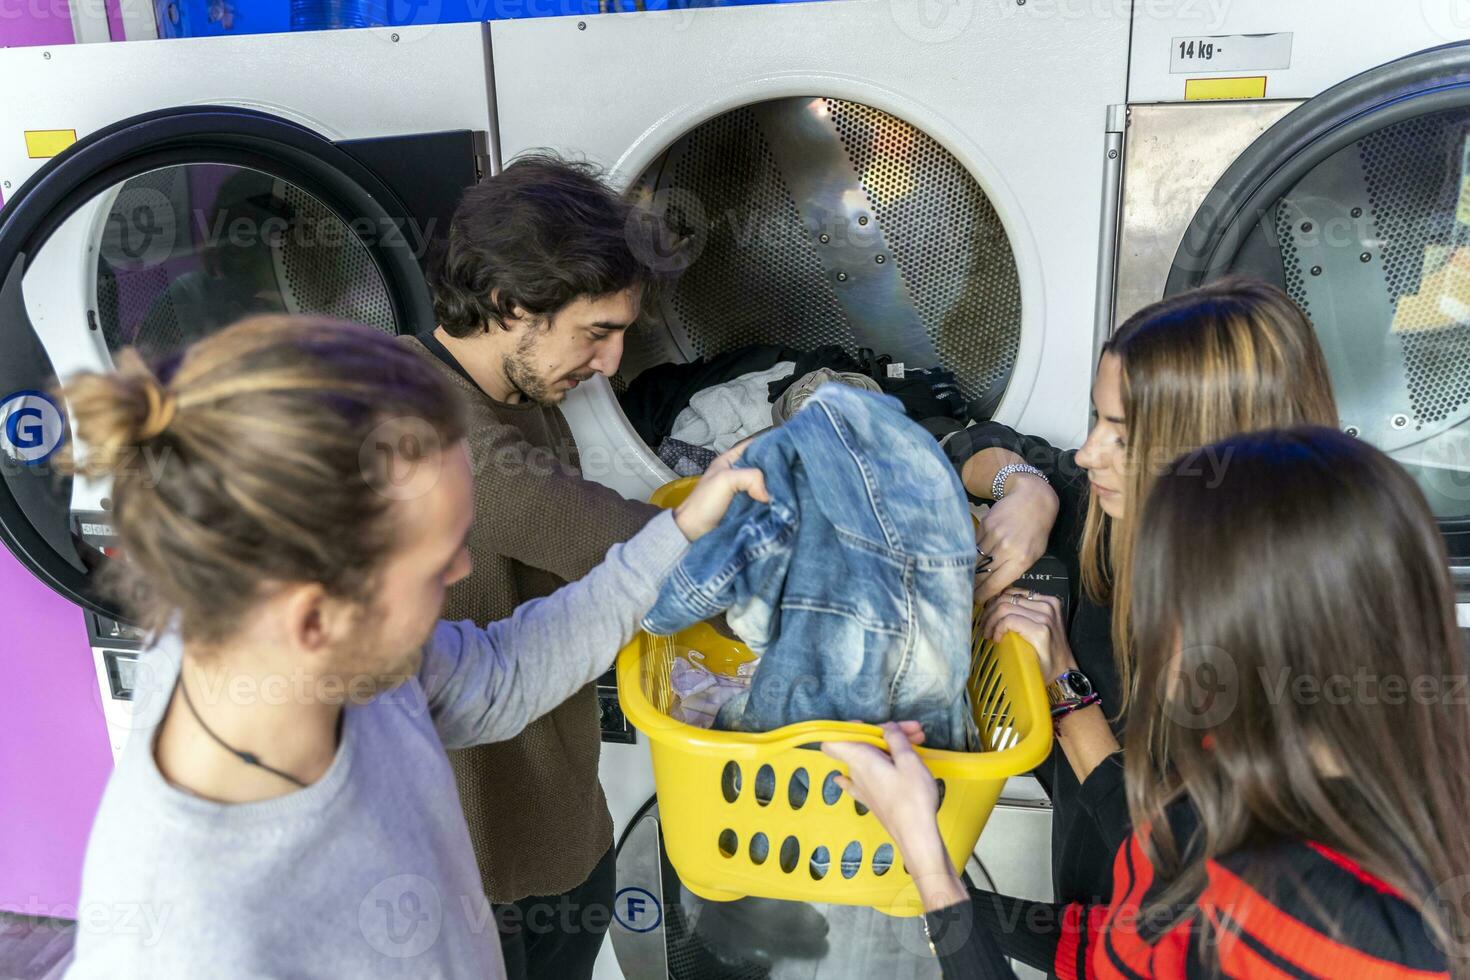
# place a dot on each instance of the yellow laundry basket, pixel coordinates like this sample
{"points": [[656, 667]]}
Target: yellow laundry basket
{"points": [[760, 814]]}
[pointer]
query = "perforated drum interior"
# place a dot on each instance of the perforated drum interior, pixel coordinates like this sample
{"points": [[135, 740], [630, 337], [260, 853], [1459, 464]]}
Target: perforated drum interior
{"points": [[1374, 244], [814, 221]]}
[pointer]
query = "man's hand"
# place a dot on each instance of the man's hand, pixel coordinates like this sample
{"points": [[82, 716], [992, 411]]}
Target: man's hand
{"points": [[702, 510]]}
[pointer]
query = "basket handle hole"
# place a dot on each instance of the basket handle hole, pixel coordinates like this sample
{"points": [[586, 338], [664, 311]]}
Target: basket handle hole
{"points": [[852, 859], [730, 782], [820, 862], [760, 849], [765, 785], [940, 784], [790, 854], [729, 843], [798, 788], [831, 792], [882, 859]]}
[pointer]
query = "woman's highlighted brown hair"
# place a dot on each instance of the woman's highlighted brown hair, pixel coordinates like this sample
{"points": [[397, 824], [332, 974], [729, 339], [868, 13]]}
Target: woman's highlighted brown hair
{"points": [[264, 467], [1294, 614], [1233, 356]]}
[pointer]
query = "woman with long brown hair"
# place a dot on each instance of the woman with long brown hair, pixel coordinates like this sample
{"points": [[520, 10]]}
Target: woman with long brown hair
{"points": [[1298, 761], [1233, 356]]}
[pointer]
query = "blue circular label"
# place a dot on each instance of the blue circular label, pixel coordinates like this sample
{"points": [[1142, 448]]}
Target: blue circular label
{"points": [[31, 427], [637, 910]]}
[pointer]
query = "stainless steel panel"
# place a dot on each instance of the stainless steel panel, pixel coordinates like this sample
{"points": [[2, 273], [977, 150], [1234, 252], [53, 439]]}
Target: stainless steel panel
{"points": [[835, 213], [637, 936], [1107, 250], [1173, 155]]}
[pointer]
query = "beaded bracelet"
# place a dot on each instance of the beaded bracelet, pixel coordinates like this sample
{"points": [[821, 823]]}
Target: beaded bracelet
{"points": [[1060, 711]]}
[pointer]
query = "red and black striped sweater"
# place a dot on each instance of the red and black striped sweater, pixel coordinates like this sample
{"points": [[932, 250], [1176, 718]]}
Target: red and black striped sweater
{"points": [[1311, 912]]}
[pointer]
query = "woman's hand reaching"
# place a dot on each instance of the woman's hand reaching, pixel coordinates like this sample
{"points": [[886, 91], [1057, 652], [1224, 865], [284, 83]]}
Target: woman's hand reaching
{"points": [[1013, 534], [898, 788]]}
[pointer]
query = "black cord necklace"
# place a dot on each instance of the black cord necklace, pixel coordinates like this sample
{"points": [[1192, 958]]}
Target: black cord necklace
{"points": [[245, 757]]}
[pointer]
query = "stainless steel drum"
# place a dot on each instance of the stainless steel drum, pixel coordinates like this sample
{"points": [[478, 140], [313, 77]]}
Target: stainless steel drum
{"points": [[813, 221]]}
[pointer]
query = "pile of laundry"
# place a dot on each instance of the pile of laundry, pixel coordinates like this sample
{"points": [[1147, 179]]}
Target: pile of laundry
{"points": [[852, 585], [693, 412], [699, 693]]}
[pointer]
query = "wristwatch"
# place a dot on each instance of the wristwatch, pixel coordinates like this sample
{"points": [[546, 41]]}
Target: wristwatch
{"points": [[1068, 691], [998, 485]]}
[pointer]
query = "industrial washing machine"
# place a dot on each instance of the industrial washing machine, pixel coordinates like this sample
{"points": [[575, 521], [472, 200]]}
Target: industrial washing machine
{"points": [[933, 187], [929, 181], [156, 189], [1271, 148]]}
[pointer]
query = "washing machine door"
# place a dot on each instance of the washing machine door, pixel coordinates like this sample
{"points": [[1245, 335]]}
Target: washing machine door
{"points": [[151, 233], [1357, 203], [663, 931]]}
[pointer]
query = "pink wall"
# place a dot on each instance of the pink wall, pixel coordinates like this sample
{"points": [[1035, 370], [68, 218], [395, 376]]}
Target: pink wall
{"points": [[54, 753], [36, 22]]}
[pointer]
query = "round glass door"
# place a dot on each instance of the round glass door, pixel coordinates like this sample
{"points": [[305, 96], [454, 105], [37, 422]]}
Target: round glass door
{"points": [[1357, 204], [155, 262], [1374, 244], [185, 250]]}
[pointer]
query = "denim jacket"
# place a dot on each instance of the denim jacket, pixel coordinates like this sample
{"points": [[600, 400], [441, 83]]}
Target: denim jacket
{"points": [[854, 584]]}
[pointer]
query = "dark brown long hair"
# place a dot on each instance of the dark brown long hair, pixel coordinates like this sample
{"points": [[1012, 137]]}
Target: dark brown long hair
{"points": [[539, 234], [1234, 356], [1289, 554]]}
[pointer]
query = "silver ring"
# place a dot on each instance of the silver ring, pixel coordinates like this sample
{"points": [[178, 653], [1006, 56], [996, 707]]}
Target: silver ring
{"points": [[1015, 599], [1030, 594]]}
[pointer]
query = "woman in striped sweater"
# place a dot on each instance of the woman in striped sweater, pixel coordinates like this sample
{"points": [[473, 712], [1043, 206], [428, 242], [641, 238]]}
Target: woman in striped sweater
{"points": [[1298, 757]]}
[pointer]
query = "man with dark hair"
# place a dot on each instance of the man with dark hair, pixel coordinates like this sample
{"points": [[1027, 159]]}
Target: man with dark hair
{"points": [[536, 289]]}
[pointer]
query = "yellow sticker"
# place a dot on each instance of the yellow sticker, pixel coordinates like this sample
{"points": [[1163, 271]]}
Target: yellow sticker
{"points": [[1200, 89], [1462, 209], [43, 143]]}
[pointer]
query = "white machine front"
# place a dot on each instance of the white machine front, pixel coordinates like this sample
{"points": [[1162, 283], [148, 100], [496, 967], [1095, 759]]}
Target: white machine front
{"points": [[928, 181], [1261, 142], [147, 258], [855, 172]]}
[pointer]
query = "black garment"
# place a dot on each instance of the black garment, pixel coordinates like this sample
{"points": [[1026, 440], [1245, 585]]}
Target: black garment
{"points": [[438, 349], [926, 393], [1089, 821], [655, 398], [558, 937]]}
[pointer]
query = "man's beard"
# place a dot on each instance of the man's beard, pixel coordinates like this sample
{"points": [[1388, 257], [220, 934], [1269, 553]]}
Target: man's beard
{"points": [[520, 371]]}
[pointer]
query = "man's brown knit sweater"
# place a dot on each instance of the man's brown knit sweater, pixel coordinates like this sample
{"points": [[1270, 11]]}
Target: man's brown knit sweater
{"points": [[537, 815]]}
